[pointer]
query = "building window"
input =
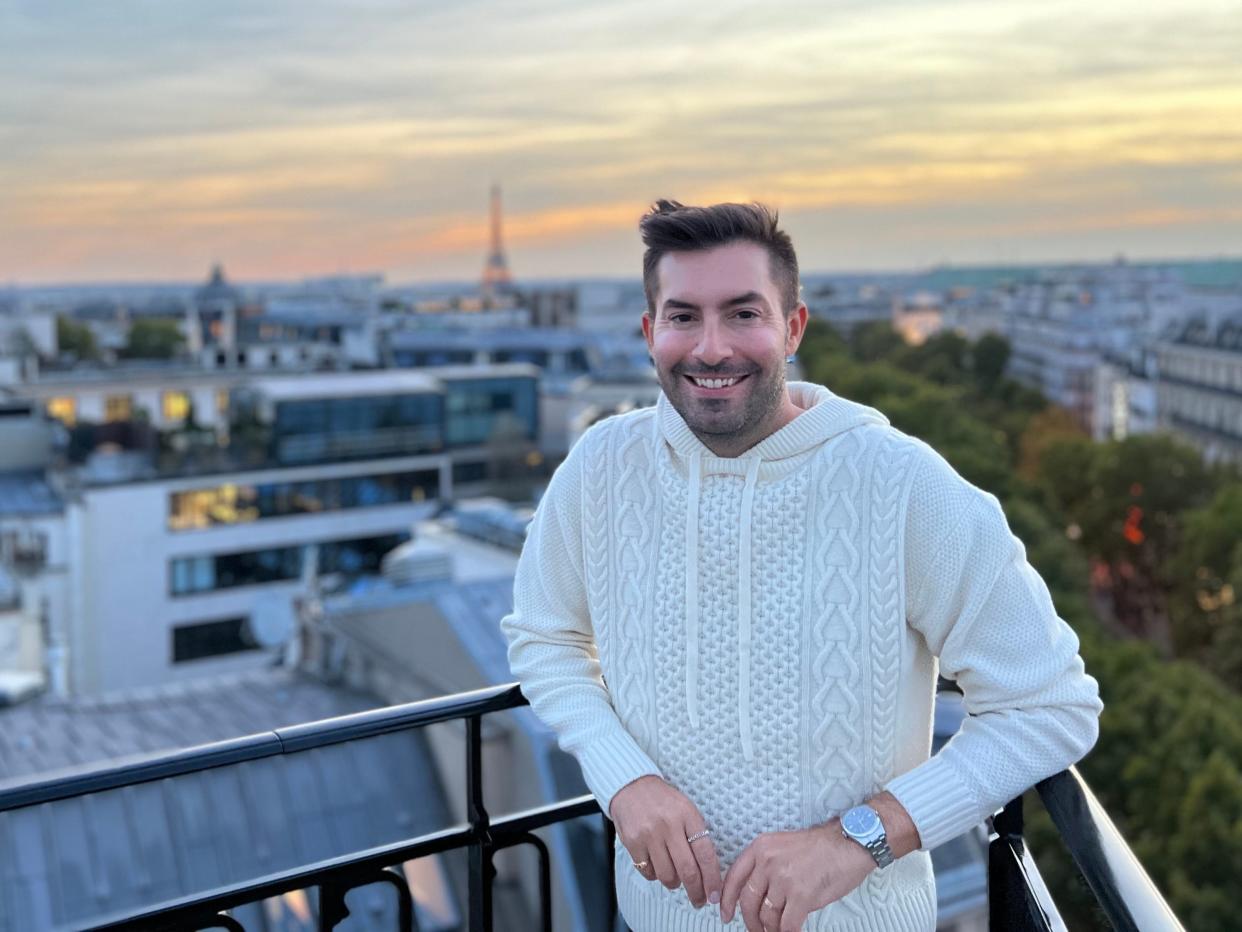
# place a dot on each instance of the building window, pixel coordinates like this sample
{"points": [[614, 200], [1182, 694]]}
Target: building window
{"points": [[175, 406], [354, 557], [469, 472], [118, 408], [64, 410], [478, 409], [241, 504], [222, 401], [211, 639]]}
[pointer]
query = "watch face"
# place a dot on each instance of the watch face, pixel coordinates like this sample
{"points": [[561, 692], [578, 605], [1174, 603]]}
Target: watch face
{"points": [[861, 820]]}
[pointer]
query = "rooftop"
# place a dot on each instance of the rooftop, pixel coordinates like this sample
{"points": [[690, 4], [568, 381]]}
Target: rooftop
{"points": [[26, 494], [119, 849]]}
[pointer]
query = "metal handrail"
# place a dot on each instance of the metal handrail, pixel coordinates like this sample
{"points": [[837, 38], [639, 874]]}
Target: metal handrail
{"points": [[290, 740], [1121, 886]]}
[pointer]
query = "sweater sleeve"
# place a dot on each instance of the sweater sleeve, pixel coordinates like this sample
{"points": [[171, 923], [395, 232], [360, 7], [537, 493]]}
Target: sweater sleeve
{"points": [[985, 612], [552, 647]]}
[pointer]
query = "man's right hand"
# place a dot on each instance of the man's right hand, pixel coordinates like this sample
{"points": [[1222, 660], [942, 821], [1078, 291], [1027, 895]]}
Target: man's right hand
{"points": [[654, 821]]}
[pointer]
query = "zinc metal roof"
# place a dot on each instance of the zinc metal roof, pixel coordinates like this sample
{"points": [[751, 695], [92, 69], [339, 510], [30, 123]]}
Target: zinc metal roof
{"points": [[68, 863]]}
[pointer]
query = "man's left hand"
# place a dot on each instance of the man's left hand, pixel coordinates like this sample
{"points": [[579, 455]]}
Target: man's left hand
{"points": [[782, 877]]}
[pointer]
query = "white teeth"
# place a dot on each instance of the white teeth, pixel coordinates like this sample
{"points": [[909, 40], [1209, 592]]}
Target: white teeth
{"points": [[714, 383]]}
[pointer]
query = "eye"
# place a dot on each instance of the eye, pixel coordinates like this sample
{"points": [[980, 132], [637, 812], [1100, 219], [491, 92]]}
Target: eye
{"points": [[682, 318], [747, 313]]}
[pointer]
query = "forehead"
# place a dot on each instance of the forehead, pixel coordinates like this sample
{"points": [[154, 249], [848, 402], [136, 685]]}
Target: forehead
{"points": [[706, 276]]}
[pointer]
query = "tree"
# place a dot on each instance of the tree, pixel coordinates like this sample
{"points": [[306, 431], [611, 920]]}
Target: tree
{"points": [[944, 358], [874, 341], [988, 358], [154, 338], [1126, 499], [73, 337], [1206, 572], [1044, 430]]}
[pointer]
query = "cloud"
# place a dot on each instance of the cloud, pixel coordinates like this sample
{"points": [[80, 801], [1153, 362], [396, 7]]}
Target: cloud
{"points": [[372, 131]]}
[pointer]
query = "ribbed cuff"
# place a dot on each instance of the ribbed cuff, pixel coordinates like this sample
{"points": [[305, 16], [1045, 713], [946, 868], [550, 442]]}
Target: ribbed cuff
{"points": [[939, 803], [611, 762]]}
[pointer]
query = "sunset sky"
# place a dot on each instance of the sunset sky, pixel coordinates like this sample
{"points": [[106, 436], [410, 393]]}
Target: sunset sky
{"points": [[146, 140]]}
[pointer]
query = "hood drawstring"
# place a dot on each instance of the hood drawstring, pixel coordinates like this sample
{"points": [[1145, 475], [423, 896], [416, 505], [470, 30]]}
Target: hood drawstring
{"points": [[743, 610], [692, 589], [744, 597]]}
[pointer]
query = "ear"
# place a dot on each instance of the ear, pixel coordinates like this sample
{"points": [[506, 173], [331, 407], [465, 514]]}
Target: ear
{"points": [[795, 329], [647, 331]]}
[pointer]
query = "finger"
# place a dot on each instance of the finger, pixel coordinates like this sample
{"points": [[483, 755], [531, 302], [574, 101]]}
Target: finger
{"points": [[647, 870], [770, 912], [663, 864], [687, 869], [793, 917], [709, 867], [734, 881], [751, 902]]}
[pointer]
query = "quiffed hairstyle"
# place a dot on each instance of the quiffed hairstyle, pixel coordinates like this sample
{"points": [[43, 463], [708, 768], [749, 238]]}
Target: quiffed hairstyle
{"points": [[673, 227]]}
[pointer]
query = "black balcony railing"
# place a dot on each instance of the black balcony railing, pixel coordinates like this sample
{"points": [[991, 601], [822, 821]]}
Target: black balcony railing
{"points": [[1018, 900]]}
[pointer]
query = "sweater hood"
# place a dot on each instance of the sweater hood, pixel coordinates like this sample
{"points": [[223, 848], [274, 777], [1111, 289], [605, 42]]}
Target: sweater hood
{"points": [[824, 416]]}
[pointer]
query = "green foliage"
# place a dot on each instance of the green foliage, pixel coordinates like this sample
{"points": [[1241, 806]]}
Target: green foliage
{"points": [[1128, 499], [154, 339], [875, 341], [1167, 764], [989, 356], [73, 337], [1207, 583]]}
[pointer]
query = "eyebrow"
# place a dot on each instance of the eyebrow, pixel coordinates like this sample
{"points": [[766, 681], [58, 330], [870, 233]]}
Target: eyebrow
{"points": [[750, 297]]}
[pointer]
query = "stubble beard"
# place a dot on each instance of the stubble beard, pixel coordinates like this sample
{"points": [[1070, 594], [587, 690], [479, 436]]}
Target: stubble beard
{"points": [[724, 422]]}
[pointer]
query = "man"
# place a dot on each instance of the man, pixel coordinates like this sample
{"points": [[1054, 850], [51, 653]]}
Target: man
{"points": [[730, 609]]}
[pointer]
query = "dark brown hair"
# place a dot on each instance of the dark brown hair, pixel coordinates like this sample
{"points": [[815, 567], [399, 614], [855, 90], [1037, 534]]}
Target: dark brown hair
{"points": [[673, 227]]}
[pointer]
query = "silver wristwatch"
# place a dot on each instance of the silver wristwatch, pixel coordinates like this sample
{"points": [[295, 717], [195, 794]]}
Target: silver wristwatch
{"points": [[862, 823]]}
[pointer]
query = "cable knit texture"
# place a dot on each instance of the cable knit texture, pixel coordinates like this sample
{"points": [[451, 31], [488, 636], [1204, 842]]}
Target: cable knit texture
{"points": [[763, 632]]}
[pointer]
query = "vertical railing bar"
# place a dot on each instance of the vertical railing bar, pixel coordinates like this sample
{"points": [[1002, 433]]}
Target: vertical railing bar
{"points": [[480, 826], [406, 920], [545, 874]]}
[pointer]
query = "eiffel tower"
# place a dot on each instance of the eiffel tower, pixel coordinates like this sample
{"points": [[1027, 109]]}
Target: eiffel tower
{"points": [[496, 277]]}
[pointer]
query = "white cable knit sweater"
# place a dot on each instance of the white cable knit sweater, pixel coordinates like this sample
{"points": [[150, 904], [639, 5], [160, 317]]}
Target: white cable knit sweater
{"points": [[763, 632]]}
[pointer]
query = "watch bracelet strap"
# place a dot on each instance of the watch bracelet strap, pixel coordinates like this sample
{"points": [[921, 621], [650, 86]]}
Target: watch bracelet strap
{"points": [[881, 853]]}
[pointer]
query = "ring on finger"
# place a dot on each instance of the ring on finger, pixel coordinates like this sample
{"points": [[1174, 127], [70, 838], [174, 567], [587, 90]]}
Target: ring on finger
{"points": [[641, 865], [697, 835]]}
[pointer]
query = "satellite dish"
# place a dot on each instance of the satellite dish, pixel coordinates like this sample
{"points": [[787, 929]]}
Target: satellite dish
{"points": [[272, 620]]}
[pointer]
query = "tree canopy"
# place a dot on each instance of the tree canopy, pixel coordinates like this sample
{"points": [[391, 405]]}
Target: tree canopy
{"points": [[1133, 526], [154, 339]]}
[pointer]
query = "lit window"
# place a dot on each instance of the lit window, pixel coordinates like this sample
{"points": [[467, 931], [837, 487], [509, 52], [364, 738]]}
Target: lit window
{"points": [[222, 401], [118, 408], [64, 410], [176, 405]]}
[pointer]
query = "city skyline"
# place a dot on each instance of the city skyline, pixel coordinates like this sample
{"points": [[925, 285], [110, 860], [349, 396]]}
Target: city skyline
{"points": [[144, 142]]}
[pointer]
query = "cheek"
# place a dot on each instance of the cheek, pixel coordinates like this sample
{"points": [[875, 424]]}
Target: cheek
{"points": [[669, 347]]}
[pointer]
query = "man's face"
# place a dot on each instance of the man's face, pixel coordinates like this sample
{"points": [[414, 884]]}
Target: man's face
{"points": [[719, 341]]}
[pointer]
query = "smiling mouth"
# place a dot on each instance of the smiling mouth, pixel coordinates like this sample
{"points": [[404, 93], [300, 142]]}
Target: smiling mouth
{"points": [[715, 383]]}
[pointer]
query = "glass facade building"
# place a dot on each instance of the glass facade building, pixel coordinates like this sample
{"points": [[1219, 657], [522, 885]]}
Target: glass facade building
{"points": [[234, 503], [482, 409], [324, 430], [212, 572]]}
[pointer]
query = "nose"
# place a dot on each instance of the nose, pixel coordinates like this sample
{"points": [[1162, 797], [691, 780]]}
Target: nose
{"points": [[712, 347]]}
